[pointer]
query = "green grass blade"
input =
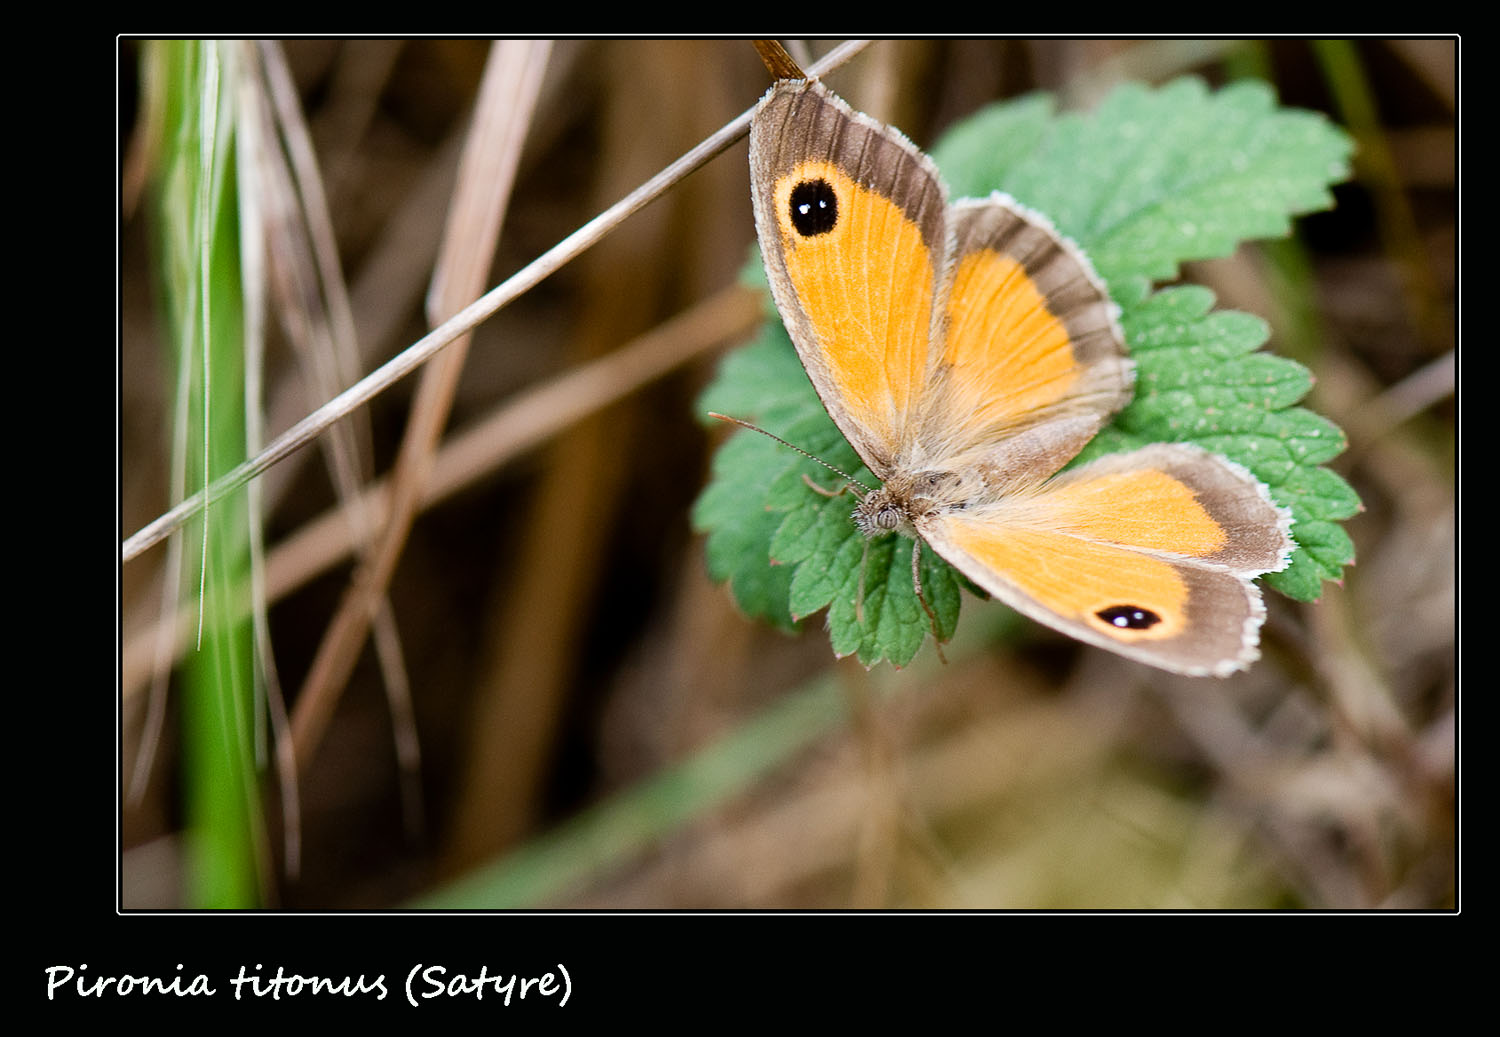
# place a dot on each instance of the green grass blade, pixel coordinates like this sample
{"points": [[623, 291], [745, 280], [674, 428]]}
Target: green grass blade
{"points": [[191, 83]]}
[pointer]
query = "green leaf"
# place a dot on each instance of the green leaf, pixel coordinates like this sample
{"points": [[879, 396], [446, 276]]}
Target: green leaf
{"points": [[1157, 177], [763, 377], [740, 526], [987, 147], [1150, 180], [1323, 549]]}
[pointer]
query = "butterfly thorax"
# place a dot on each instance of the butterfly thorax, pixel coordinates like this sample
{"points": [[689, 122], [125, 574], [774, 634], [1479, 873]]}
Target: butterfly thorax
{"points": [[906, 499]]}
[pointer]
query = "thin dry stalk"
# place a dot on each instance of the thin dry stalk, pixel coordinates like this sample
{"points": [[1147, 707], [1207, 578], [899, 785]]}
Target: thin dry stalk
{"points": [[481, 309], [511, 84], [318, 321], [514, 427]]}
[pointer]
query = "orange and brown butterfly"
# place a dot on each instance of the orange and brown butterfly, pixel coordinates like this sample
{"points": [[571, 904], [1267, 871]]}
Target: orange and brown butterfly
{"points": [[968, 352]]}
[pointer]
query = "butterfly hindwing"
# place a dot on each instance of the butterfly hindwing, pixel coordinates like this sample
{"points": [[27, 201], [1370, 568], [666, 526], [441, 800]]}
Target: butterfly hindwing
{"points": [[1148, 553]]}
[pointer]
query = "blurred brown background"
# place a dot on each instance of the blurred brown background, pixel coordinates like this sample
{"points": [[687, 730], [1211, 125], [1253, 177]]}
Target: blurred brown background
{"points": [[565, 649]]}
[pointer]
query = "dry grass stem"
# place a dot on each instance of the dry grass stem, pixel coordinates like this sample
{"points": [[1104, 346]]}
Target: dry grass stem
{"points": [[508, 96], [465, 320], [516, 426]]}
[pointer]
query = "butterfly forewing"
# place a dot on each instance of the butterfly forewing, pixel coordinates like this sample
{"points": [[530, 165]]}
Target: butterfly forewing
{"points": [[1125, 551], [856, 215]]}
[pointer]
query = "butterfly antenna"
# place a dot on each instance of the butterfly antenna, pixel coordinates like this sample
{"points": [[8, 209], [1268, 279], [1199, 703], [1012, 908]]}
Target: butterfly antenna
{"points": [[804, 453], [777, 61]]}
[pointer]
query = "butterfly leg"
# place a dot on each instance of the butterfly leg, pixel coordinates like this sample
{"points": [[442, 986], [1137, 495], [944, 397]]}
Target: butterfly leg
{"points": [[820, 490], [859, 599], [916, 582]]}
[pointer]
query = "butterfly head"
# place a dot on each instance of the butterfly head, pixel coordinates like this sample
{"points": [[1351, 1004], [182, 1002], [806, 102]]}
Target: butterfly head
{"points": [[905, 500], [880, 512]]}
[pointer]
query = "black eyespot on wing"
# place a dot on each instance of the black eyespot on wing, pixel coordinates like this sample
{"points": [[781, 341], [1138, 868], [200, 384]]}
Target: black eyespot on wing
{"points": [[815, 207], [1129, 617]]}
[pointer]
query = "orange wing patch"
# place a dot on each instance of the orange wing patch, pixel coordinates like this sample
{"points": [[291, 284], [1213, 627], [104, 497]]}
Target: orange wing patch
{"points": [[1012, 356], [1146, 508], [1077, 579], [866, 286]]}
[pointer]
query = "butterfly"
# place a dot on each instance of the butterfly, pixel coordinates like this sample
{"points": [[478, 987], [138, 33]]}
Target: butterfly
{"points": [[968, 352]]}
